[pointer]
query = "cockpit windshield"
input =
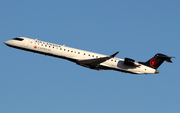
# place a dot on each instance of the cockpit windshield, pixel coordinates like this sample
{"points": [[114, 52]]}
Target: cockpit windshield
{"points": [[19, 39]]}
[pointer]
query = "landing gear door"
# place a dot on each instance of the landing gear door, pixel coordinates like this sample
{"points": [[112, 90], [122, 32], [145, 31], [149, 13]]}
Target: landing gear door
{"points": [[25, 42]]}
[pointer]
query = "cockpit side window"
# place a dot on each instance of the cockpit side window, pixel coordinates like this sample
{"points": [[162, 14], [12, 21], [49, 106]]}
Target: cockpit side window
{"points": [[19, 39]]}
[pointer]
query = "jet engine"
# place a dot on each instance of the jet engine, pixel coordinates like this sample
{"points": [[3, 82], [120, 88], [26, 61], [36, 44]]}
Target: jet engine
{"points": [[129, 62]]}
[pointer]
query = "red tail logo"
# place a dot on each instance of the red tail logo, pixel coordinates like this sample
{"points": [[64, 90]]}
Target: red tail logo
{"points": [[154, 63]]}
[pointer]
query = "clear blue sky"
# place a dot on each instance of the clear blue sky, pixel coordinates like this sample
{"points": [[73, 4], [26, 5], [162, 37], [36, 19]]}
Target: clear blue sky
{"points": [[138, 29]]}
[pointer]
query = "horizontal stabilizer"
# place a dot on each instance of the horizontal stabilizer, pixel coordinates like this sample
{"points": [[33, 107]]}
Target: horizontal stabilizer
{"points": [[167, 58]]}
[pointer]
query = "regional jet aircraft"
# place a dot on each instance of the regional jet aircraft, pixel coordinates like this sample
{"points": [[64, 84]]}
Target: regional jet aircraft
{"points": [[89, 59]]}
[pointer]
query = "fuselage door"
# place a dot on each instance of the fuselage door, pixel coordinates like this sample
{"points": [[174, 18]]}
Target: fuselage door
{"points": [[25, 42]]}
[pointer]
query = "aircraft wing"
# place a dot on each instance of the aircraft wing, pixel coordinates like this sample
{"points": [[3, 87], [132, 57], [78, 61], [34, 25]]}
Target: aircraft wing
{"points": [[97, 61]]}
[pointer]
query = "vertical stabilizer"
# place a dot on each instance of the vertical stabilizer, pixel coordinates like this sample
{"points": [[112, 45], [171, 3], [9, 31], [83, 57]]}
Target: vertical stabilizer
{"points": [[157, 60]]}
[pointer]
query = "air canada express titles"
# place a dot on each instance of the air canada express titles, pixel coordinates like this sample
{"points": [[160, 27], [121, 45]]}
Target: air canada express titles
{"points": [[46, 44], [45, 49]]}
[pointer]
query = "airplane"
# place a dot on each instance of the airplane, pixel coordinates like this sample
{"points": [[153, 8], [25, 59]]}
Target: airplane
{"points": [[89, 59]]}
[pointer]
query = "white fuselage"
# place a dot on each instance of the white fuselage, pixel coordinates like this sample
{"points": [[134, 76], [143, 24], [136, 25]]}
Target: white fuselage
{"points": [[74, 55]]}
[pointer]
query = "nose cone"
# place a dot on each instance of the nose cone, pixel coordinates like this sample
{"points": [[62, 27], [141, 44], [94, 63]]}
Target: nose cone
{"points": [[5, 42], [9, 42]]}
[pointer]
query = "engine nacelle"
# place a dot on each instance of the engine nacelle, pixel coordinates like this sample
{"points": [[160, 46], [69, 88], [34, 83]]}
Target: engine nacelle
{"points": [[129, 62]]}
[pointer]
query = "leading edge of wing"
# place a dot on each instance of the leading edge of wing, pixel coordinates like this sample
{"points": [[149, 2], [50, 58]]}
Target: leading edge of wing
{"points": [[97, 61]]}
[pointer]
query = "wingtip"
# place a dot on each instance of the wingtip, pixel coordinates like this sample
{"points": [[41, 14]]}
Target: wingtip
{"points": [[114, 54]]}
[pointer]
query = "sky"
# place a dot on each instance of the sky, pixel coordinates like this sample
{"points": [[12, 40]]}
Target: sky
{"points": [[34, 83]]}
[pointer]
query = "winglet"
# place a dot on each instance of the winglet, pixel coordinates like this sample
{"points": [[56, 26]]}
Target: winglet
{"points": [[114, 54]]}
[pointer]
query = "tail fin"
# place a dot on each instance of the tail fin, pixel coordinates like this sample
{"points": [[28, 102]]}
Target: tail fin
{"points": [[157, 60]]}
